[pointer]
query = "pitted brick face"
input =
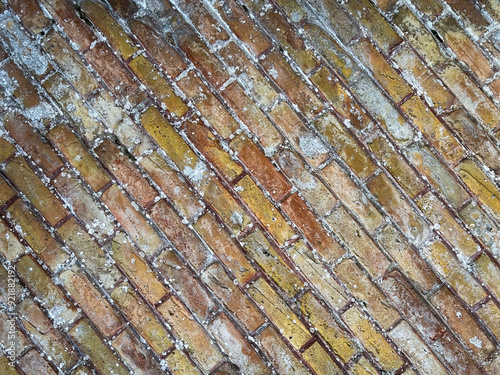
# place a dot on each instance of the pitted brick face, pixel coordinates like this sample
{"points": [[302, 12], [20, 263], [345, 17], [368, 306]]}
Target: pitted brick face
{"points": [[250, 187]]}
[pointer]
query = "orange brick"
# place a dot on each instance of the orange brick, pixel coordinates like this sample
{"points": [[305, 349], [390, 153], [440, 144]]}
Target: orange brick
{"points": [[271, 219], [31, 15], [141, 318], [10, 247], [358, 242], [489, 273], [291, 83], [91, 301], [39, 195], [225, 248], [79, 157], [131, 220], [320, 361], [21, 88], [202, 350], [204, 22], [490, 314], [309, 145], [32, 363]]}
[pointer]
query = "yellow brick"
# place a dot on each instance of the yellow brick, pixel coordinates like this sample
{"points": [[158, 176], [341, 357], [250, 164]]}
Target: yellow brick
{"points": [[6, 192], [6, 150], [490, 314], [328, 328], [179, 364], [372, 340], [280, 313], [320, 361], [10, 247], [489, 273], [363, 367], [481, 226], [264, 210]]}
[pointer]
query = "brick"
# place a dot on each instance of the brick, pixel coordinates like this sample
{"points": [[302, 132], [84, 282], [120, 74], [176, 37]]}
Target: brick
{"points": [[416, 350], [64, 14], [240, 352], [38, 194], [83, 205], [199, 346], [6, 150], [59, 309], [192, 292], [137, 270], [91, 301], [143, 234], [249, 76], [89, 342], [126, 172], [481, 186], [114, 73], [174, 187], [431, 8], [224, 247], [280, 313], [342, 100], [410, 262], [89, 253], [41, 153], [320, 318], [181, 236], [313, 231], [6, 368], [352, 196], [166, 57], [471, 96], [419, 37], [291, 83], [179, 364], [133, 353], [19, 86], [471, 16], [32, 363], [204, 22], [454, 274], [364, 367], [243, 26], [6, 193], [489, 273], [271, 219], [439, 177], [320, 361], [233, 298], [31, 15], [252, 116], [410, 222], [474, 137], [311, 187], [463, 323], [70, 63], [12, 339], [260, 166], [124, 8], [310, 146], [358, 242], [79, 157], [209, 106], [34, 233], [207, 143], [112, 31], [141, 317], [383, 72], [10, 246], [262, 252], [448, 226], [82, 370], [490, 314]]}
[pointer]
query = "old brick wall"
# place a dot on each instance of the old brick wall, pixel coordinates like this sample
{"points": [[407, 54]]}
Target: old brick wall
{"points": [[250, 186]]}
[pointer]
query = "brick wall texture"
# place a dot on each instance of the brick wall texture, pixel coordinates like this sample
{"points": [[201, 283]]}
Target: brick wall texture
{"points": [[250, 187]]}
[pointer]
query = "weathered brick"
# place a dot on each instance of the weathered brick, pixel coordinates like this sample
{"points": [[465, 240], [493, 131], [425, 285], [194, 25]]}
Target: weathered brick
{"points": [[59, 308], [89, 253], [124, 8], [203, 21], [271, 219], [311, 187], [12, 338], [291, 83], [202, 350], [454, 274], [79, 157], [225, 248], [82, 370], [131, 220], [272, 263], [194, 295], [179, 364], [39, 195], [10, 246], [313, 231], [238, 349], [280, 313], [364, 367], [6, 368], [102, 357], [353, 197], [141, 317], [181, 236], [410, 222], [490, 314], [34, 233], [31, 14], [6, 150], [320, 361], [321, 319], [489, 273], [20, 86], [357, 241], [431, 8], [32, 363], [137, 270], [238, 303], [448, 226], [471, 16]]}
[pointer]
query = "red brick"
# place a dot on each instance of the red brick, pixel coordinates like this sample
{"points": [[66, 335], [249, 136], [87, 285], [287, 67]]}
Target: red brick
{"points": [[31, 14], [32, 363], [470, 15], [201, 18], [23, 89]]}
